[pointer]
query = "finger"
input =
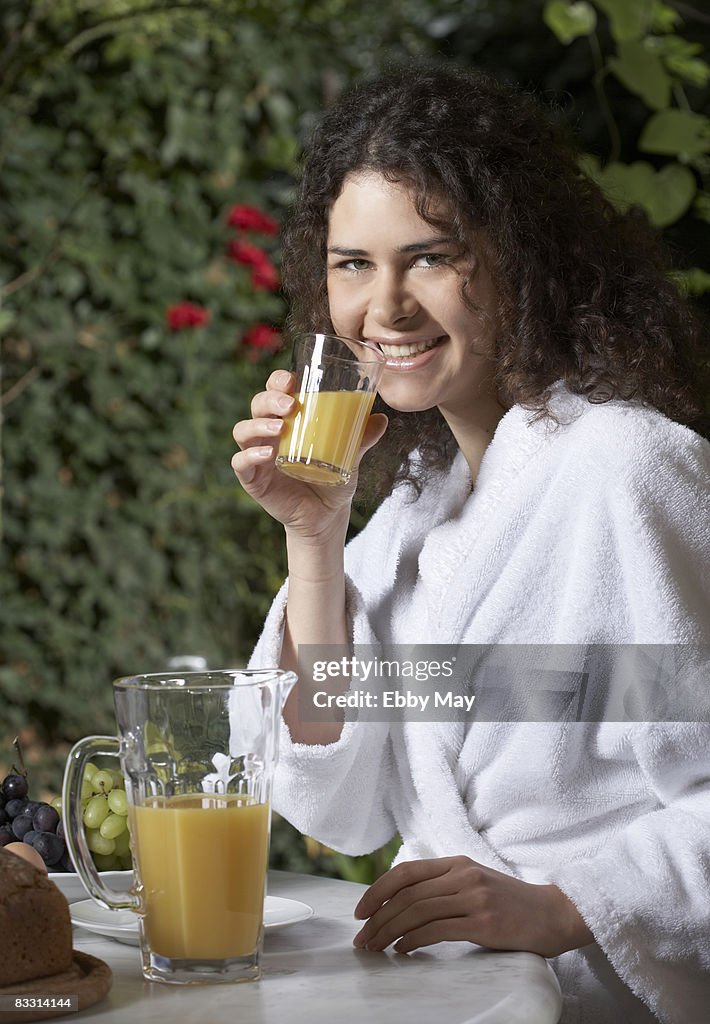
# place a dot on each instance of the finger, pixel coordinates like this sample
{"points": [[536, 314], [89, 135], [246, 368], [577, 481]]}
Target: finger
{"points": [[281, 380], [450, 930], [415, 916], [248, 433], [407, 873], [271, 403], [431, 888], [246, 464], [375, 429]]}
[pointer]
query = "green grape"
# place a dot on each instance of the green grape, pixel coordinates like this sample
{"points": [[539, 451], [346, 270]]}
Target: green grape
{"points": [[118, 802], [107, 861], [98, 843], [112, 826], [123, 844], [96, 811], [104, 810], [57, 805], [102, 782]]}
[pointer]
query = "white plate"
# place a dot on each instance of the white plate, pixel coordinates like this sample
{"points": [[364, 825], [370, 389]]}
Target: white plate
{"points": [[123, 924], [71, 885], [280, 912]]}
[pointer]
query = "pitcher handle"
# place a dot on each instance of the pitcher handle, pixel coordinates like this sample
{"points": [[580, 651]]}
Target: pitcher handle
{"points": [[83, 751]]}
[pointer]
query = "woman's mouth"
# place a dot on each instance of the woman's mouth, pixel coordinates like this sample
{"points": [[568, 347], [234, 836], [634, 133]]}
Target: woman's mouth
{"points": [[409, 355]]}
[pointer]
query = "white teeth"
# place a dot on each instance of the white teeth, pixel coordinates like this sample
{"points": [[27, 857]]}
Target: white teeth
{"points": [[398, 351]]}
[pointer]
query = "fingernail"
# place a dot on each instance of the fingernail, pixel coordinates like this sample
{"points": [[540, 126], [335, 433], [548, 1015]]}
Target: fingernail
{"points": [[264, 452], [284, 402], [358, 941], [282, 378], [274, 426]]}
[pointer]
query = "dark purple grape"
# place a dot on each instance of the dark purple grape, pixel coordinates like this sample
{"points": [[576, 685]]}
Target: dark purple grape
{"points": [[60, 829], [3, 816], [29, 836], [33, 805], [3, 798], [7, 835], [21, 824], [45, 819], [15, 807], [49, 847], [15, 786], [65, 863]]}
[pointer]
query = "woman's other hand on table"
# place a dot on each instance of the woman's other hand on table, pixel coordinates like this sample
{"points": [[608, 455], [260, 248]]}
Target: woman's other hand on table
{"points": [[419, 903]]}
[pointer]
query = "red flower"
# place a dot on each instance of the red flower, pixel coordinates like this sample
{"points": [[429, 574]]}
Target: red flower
{"points": [[262, 337], [265, 278], [264, 275], [186, 314], [249, 218], [245, 253]]}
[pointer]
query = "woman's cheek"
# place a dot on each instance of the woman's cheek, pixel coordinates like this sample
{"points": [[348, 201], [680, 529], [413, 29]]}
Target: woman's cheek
{"points": [[344, 316]]}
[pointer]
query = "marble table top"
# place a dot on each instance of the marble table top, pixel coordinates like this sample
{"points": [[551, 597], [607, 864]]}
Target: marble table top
{"points": [[311, 973]]}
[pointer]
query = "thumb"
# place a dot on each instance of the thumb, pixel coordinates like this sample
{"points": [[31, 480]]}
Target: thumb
{"points": [[374, 431]]}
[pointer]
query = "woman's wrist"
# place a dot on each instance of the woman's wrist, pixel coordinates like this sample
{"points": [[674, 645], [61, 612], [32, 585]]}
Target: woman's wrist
{"points": [[318, 559], [570, 929]]}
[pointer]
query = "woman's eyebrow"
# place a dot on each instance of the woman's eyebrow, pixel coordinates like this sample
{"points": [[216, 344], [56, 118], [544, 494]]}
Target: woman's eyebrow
{"points": [[428, 243], [339, 250]]}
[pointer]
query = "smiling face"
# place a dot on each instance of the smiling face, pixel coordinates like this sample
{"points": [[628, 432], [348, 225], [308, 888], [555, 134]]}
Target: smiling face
{"points": [[395, 279]]}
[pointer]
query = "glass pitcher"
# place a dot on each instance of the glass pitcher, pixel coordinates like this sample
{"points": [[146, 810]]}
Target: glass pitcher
{"points": [[198, 752]]}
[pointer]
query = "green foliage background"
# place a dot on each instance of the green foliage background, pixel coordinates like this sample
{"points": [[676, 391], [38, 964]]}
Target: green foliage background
{"points": [[128, 128]]}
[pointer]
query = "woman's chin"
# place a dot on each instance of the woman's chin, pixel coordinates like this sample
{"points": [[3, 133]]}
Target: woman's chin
{"points": [[406, 403]]}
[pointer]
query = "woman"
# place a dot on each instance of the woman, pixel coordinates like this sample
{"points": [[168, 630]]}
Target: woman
{"points": [[548, 490]]}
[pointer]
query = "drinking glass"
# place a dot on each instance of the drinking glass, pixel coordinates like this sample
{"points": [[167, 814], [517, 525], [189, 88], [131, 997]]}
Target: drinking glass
{"points": [[336, 384]]}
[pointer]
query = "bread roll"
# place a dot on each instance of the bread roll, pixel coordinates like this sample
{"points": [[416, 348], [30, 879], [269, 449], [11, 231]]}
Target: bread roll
{"points": [[35, 928]]}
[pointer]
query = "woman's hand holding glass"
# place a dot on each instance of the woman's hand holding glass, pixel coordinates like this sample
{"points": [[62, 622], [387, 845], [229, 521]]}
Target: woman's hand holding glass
{"points": [[310, 513]]}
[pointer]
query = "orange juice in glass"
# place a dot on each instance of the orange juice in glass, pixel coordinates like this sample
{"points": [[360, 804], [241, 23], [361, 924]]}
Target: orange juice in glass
{"points": [[203, 871], [336, 384]]}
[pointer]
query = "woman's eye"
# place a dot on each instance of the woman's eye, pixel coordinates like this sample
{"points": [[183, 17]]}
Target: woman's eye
{"points": [[353, 264], [430, 259]]}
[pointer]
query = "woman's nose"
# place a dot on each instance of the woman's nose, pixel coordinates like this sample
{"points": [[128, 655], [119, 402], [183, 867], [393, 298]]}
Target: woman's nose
{"points": [[391, 301]]}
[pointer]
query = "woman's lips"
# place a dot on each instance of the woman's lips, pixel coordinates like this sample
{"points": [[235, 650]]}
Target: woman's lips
{"points": [[410, 355]]}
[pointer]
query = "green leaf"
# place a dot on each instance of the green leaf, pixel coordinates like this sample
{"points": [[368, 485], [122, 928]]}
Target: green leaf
{"points": [[569, 20], [7, 319], [663, 195], [681, 58], [643, 73], [628, 19], [680, 133], [664, 18], [696, 72], [701, 206], [693, 282]]}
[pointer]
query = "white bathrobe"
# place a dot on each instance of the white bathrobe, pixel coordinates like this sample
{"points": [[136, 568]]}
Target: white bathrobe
{"points": [[594, 531]]}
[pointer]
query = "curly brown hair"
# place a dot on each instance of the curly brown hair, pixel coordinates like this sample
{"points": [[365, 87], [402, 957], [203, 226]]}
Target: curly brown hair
{"points": [[584, 295]]}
